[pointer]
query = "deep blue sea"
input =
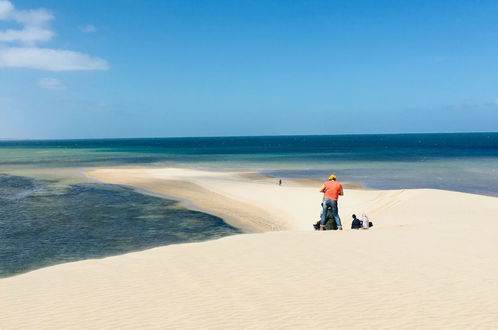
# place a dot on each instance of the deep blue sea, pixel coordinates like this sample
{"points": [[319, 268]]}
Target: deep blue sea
{"points": [[465, 162], [47, 219]]}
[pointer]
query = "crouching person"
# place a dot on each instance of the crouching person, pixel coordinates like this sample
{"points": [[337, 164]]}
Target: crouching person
{"points": [[356, 224]]}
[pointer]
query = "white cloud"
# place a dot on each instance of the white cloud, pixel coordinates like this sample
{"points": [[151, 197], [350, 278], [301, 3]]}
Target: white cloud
{"points": [[49, 59], [32, 17], [28, 35], [36, 29], [89, 28], [6, 9], [51, 84], [35, 24]]}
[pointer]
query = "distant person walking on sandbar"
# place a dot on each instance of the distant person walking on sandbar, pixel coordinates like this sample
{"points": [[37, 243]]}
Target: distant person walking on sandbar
{"points": [[331, 190]]}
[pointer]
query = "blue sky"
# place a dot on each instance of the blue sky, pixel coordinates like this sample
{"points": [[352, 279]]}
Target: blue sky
{"points": [[91, 69]]}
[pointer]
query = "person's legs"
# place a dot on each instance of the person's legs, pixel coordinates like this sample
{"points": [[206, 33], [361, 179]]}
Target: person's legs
{"points": [[323, 216], [335, 212]]}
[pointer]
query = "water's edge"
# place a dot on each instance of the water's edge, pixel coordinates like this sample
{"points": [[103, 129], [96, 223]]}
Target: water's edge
{"points": [[42, 224]]}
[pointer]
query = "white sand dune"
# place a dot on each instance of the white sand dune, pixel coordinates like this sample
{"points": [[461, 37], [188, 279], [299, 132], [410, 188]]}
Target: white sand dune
{"points": [[430, 262]]}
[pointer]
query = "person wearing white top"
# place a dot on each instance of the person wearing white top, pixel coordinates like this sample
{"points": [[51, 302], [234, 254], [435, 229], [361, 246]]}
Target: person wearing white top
{"points": [[365, 221]]}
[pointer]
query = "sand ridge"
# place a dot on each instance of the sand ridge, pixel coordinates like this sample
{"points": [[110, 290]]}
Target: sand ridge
{"points": [[430, 262]]}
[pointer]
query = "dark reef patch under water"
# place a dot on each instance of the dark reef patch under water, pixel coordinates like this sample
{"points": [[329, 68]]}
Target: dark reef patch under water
{"points": [[43, 223]]}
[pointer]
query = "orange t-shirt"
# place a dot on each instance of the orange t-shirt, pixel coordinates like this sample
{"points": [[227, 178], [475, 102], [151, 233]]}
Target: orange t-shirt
{"points": [[332, 189]]}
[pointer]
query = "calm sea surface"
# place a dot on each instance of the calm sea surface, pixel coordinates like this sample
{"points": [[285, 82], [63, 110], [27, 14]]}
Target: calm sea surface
{"points": [[48, 219], [461, 162]]}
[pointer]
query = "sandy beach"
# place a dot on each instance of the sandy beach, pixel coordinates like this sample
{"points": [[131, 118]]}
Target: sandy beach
{"points": [[429, 262]]}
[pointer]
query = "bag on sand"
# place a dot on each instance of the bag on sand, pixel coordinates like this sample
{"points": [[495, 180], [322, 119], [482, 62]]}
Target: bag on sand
{"points": [[330, 223]]}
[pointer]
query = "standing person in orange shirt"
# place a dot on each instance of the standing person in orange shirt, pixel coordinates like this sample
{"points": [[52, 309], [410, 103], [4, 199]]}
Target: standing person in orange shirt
{"points": [[331, 190]]}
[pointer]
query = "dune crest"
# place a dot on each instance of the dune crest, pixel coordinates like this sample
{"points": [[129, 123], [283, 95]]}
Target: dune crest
{"points": [[430, 262]]}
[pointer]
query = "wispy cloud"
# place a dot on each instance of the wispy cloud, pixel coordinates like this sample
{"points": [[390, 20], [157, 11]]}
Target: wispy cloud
{"points": [[6, 9], [89, 28], [28, 35], [35, 24], [18, 47], [49, 59], [51, 84]]}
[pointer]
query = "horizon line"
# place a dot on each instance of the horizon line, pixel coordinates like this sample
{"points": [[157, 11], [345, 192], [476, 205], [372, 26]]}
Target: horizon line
{"points": [[231, 136]]}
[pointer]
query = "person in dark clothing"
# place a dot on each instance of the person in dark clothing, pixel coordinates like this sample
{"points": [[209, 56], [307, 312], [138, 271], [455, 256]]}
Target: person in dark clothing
{"points": [[330, 223], [356, 224]]}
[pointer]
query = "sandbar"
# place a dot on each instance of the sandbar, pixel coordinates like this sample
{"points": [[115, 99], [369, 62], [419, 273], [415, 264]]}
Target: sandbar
{"points": [[429, 262]]}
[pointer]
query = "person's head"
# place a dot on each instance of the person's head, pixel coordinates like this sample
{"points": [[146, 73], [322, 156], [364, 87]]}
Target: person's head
{"points": [[354, 216], [332, 177]]}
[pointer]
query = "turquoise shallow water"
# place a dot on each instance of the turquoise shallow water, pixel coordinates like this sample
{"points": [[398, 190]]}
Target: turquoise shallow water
{"points": [[50, 216], [465, 162]]}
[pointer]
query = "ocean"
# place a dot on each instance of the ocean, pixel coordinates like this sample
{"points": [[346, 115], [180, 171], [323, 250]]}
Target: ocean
{"points": [[49, 215]]}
